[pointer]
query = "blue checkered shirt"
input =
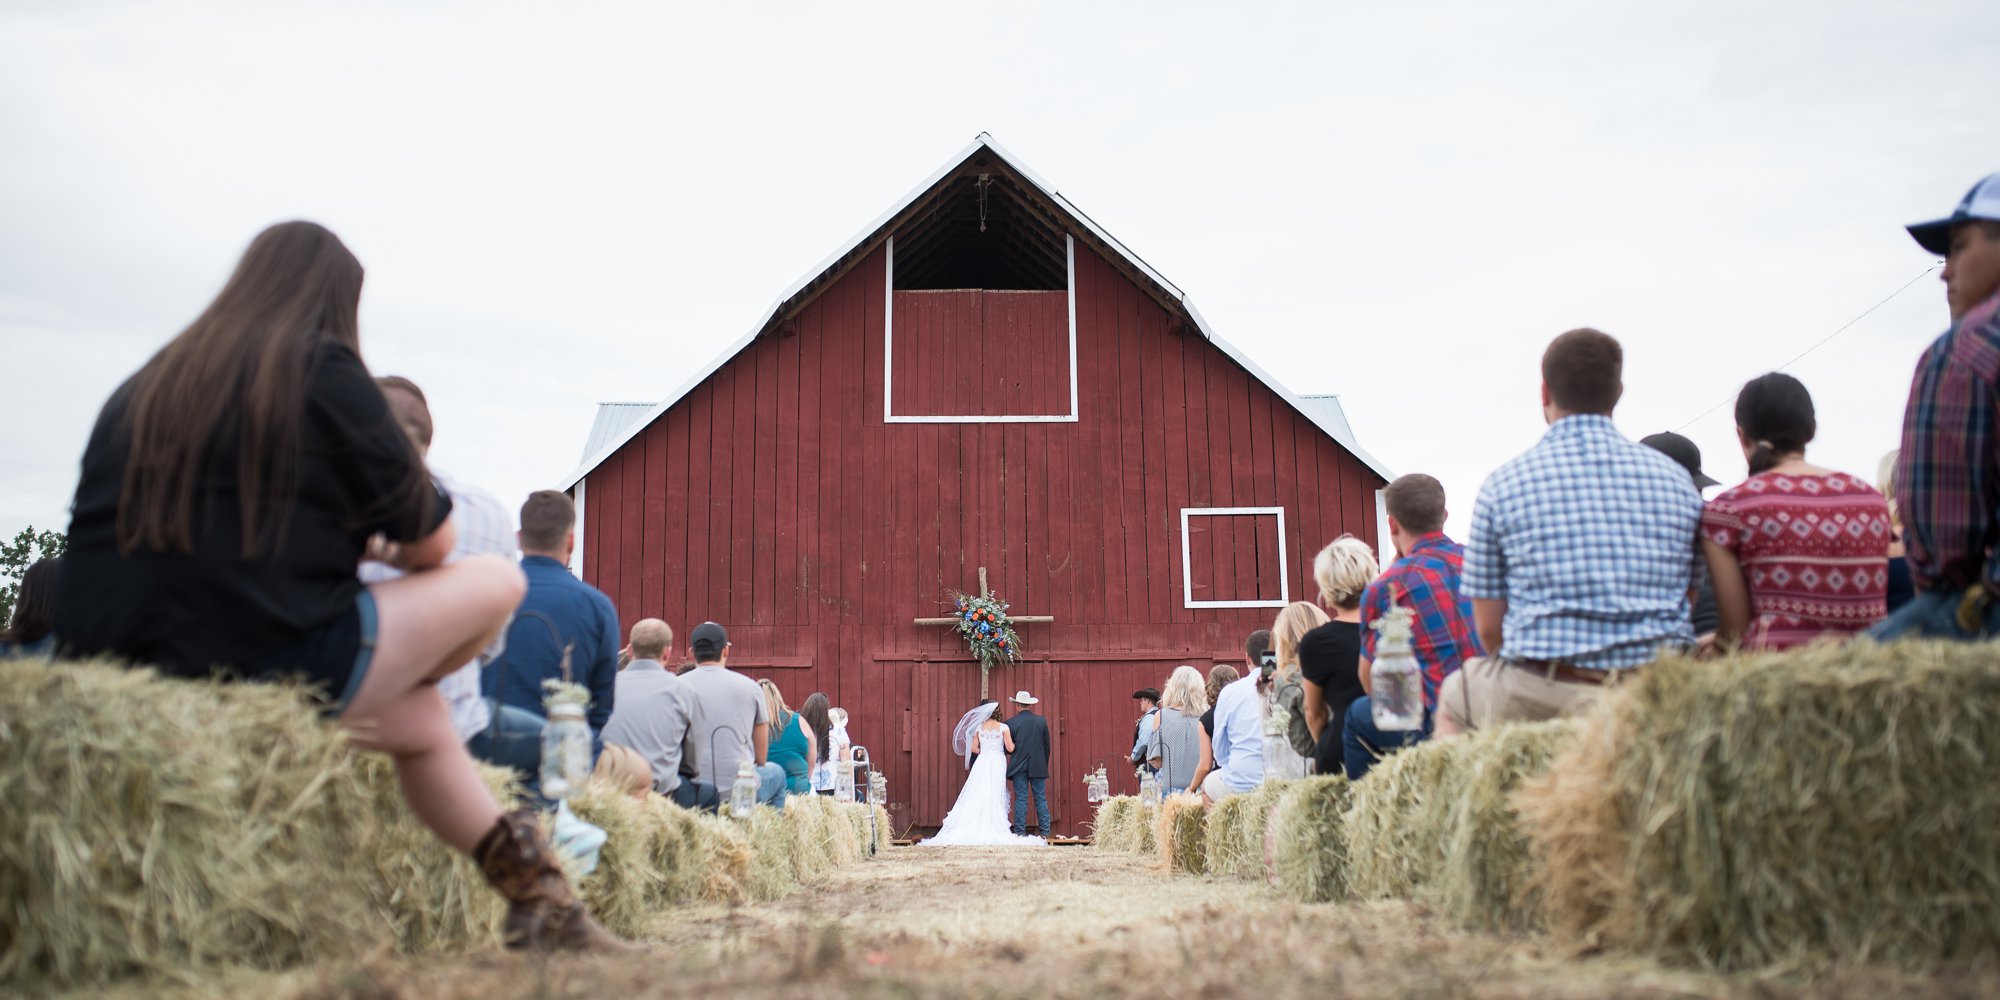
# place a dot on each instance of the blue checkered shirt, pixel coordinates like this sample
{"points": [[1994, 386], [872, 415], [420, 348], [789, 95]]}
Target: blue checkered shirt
{"points": [[1590, 539]]}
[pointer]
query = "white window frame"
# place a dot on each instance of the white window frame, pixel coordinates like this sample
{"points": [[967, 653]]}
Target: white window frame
{"points": [[1187, 559], [889, 414]]}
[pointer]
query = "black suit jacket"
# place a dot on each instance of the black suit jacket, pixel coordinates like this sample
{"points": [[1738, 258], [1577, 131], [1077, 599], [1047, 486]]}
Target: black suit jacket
{"points": [[1031, 746]]}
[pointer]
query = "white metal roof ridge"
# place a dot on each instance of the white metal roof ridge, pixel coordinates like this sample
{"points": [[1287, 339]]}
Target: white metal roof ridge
{"points": [[1340, 432]]}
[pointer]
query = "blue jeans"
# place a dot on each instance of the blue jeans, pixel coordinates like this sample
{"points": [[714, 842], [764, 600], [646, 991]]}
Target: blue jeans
{"points": [[771, 784], [1361, 744], [692, 794], [1040, 787], [513, 740], [1933, 614]]}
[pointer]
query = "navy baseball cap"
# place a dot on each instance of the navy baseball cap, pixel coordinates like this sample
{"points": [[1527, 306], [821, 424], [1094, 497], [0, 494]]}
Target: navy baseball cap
{"points": [[1982, 202], [708, 640]]}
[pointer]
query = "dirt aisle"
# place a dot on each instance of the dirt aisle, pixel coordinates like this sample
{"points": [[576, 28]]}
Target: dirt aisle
{"points": [[1058, 922]]}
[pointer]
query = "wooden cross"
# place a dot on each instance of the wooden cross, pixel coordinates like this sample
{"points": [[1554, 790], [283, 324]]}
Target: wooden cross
{"points": [[1017, 619]]}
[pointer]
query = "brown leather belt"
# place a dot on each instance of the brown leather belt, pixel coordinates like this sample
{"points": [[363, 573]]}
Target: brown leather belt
{"points": [[1557, 670]]}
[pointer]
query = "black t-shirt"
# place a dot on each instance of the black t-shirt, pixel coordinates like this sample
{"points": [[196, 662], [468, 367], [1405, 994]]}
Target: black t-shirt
{"points": [[1328, 656], [191, 613]]}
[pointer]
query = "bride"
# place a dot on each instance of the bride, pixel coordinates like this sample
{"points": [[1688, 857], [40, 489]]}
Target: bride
{"points": [[979, 818]]}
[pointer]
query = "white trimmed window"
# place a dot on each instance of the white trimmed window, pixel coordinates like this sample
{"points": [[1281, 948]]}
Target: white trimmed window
{"points": [[1234, 557]]}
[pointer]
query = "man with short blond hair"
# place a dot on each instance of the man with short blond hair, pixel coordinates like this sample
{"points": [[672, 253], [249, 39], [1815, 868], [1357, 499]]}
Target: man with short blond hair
{"points": [[654, 716]]}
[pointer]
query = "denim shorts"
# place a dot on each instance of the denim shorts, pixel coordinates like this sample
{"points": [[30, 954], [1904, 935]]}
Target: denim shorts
{"points": [[334, 657]]}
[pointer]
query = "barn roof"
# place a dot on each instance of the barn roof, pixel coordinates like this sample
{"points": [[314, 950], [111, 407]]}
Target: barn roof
{"points": [[618, 423]]}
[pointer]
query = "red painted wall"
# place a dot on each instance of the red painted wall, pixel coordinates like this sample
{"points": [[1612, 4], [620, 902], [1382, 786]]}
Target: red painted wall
{"points": [[776, 500]]}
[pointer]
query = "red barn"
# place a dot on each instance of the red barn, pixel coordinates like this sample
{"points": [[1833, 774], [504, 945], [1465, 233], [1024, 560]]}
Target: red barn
{"points": [[982, 378]]}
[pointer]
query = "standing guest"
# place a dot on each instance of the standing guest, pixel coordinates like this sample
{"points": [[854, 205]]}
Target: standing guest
{"points": [[791, 747], [1219, 676], [1028, 766], [1330, 654], [1178, 747], [1238, 745], [1703, 616], [1948, 476], [732, 719], [1581, 560], [1900, 589], [654, 716], [497, 734], [830, 742], [560, 615], [1797, 552], [228, 493], [1149, 705], [32, 632], [1426, 579]]}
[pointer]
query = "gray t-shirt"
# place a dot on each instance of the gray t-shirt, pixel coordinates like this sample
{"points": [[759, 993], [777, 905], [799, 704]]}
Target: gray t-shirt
{"points": [[654, 715], [728, 708]]}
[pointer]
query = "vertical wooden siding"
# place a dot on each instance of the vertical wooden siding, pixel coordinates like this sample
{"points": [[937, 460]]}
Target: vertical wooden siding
{"points": [[775, 499]]}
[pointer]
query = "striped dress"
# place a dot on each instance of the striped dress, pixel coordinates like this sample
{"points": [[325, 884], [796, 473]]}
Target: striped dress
{"points": [[1814, 551]]}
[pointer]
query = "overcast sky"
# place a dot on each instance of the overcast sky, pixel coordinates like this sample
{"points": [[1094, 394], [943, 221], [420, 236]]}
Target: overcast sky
{"points": [[562, 204]]}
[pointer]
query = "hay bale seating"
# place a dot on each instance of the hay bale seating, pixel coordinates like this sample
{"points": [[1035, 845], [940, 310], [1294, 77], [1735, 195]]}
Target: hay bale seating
{"points": [[175, 829], [1125, 824], [1180, 833], [1236, 825], [1310, 851], [1435, 823], [1831, 804]]}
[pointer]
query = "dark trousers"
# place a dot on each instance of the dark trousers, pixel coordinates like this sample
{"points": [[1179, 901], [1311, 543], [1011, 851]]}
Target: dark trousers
{"points": [[513, 740], [1022, 786], [1362, 744]]}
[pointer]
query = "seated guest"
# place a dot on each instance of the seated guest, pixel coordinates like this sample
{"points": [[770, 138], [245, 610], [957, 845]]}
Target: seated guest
{"points": [[1328, 654], [1900, 588], [1424, 578], [1581, 558], [1219, 677], [561, 615], [828, 728], [228, 493], [792, 748], [1177, 746], [654, 717], [32, 632], [1703, 616], [1238, 745], [1284, 708], [1797, 552], [732, 720], [1948, 474]]}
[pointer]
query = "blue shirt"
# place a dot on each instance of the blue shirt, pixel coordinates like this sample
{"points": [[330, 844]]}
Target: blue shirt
{"points": [[1238, 744], [1590, 539], [559, 610]]}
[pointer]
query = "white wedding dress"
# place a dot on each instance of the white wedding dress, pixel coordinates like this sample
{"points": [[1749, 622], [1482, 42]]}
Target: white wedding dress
{"points": [[979, 818]]}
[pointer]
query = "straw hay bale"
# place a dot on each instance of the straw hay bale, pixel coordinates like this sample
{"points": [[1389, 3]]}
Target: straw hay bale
{"points": [[1435, 823], [812, 837], [157, 826], [1310, 853], [1180, 834], [1834, 803], [1113, 830], [771, 875], [1144, 817], [1235, 838]]}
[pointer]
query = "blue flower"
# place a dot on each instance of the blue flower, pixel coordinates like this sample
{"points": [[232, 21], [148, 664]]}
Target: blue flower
{"points": [[985, 629]]}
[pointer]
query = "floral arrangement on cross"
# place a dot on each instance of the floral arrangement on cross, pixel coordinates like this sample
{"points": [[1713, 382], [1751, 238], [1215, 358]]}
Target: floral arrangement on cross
{"points": [[983, 623]]}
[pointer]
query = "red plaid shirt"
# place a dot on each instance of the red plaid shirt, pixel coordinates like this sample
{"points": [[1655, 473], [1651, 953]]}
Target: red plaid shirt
{"points": [[1425, 580], [1948, 476]]}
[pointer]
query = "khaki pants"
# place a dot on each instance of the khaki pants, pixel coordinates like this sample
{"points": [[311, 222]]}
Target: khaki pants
{"points": [[1489, 690]]}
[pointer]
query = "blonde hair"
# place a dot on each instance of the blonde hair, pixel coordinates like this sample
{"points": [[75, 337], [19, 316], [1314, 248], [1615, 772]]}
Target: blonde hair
{"points": [[1343, 570], [651, 638], [1885, 480], [774, 705], [1293, 623], [1186, 691]]}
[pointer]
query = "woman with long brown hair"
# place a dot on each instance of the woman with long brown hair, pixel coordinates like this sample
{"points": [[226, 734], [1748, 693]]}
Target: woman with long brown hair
{"points": [[229, 490]]}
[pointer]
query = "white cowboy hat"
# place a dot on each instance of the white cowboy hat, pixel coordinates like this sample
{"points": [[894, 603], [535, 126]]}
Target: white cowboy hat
{"points": [[1024, 698]]}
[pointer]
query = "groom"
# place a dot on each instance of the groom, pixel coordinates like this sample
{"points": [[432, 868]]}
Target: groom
{"points": [[1028, 765]]}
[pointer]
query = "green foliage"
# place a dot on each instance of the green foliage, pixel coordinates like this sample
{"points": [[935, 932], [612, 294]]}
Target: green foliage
{"points": [[988, 633], [16, 556]]}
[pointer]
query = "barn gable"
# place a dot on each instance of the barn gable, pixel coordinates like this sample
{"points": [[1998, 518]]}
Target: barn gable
{"points": [[883, 436]]}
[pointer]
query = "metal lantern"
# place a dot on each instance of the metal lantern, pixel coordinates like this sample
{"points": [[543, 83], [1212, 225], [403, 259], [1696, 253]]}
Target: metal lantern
{"points": [[857, 783], [565, 751]]}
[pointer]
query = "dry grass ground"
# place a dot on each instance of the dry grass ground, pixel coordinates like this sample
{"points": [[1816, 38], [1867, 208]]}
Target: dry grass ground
{"points": [[1064, 922]]}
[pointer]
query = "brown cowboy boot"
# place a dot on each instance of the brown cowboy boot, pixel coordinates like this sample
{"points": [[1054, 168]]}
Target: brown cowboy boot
{"points": [[543, 913]]}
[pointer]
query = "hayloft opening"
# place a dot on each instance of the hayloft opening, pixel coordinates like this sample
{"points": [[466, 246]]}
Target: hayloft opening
{"points": [[982, 232]]}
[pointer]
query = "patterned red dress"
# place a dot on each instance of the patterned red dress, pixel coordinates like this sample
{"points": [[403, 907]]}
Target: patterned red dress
{"points": [[1814, 550]]}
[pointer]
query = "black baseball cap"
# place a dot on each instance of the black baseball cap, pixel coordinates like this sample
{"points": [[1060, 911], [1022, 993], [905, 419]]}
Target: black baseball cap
{"points": [[708, 640], [1681, 450], [1980, 203]]}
